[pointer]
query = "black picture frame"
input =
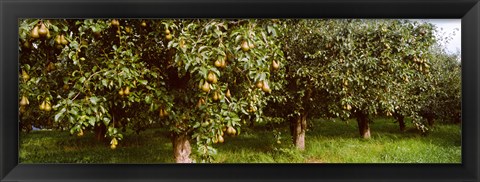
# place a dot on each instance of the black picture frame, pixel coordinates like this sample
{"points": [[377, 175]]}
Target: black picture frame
{"points": [[467, 10]]}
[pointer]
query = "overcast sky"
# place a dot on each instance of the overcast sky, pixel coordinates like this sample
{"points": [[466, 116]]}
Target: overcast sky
{"points": [[450, 28]]}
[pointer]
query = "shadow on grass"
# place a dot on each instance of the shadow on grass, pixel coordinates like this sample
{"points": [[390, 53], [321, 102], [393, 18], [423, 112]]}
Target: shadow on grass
{"points": [[387, 129]]}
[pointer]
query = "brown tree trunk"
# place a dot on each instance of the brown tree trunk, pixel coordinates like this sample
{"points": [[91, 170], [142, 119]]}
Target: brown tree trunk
{"points": [[100, 131], [298, 128], [401, 122], [363, 125], [181, 148], [430, 120]]}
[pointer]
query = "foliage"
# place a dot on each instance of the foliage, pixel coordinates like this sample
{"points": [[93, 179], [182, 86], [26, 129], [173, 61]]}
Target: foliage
{"points": [[121, 73]]}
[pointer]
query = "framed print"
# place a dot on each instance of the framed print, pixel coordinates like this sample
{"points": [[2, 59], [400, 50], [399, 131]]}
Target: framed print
{"points": [[240, 90]]}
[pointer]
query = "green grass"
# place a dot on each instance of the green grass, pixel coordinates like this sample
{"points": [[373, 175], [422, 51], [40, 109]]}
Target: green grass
{"points": [[326, 142]]}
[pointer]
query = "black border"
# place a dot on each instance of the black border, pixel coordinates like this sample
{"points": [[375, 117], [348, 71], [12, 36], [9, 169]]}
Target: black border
{"points": [[467, 10]]}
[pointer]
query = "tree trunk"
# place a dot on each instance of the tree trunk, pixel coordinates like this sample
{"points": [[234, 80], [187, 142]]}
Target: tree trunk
{"points": [[401, 122], [363, 125], [100, 131], [181, 148], [298, 128], [430, 120]]}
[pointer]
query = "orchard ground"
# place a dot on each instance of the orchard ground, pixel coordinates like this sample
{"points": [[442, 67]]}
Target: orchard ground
{"points": [[328, 141]]}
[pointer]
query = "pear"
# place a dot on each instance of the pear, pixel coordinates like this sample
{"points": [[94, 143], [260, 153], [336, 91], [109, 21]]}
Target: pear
{"points": [[25, 75], [218, 63], [34, 33], [160, 113], [48, 107], [259, 84], [167, 31], [220, 139], [275, 65], [50, 66], [114, 141], [223, 63], [26, 44], [143, 24], [200, 102], [231, 130], [121, 92], [245, 46], [128, 29], [80, 133], [127, 91], [42, 106], [22, 109], [24, 101], [115, 23], [348, 107], [251, 46], [43, 30], [212, 78], [216, 96], [181, 44], [63, 40], [113, 147], [228, 95], [206, 87], [58, 40], [266, 88], [168, 37]]}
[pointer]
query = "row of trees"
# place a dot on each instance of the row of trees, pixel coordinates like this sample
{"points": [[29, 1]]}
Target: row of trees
{"points": [[200, 78]]}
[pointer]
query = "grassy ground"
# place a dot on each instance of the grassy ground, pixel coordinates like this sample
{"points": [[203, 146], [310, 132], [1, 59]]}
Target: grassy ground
{"points": [[326, 142]]}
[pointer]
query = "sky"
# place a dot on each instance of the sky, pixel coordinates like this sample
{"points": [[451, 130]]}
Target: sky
{"points": [[450, 28]]}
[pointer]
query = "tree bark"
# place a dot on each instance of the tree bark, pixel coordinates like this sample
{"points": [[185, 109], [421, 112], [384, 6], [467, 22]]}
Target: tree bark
{"points": [[298, 128], [363, 125], [430, 120], [100, 131], [181, 148], [401, 121]]}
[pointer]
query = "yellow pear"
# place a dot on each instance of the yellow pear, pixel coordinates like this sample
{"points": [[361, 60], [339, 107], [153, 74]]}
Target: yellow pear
{"points": [[48, 107], [259, 84], [63, 40], [216, 96], [218, 63], [42, 106], [251, 46], [34, 33], [266, 88], [212, 78], [115, 22], [24, 101], [25, 75], [43, 30], [80, 133], [127, 91], [228, 95], [231, 131], [168, 37], [220, 139], [275, 65], [58, 40], [348, 107], [206, 87], [121, 92], [245, 46]]}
